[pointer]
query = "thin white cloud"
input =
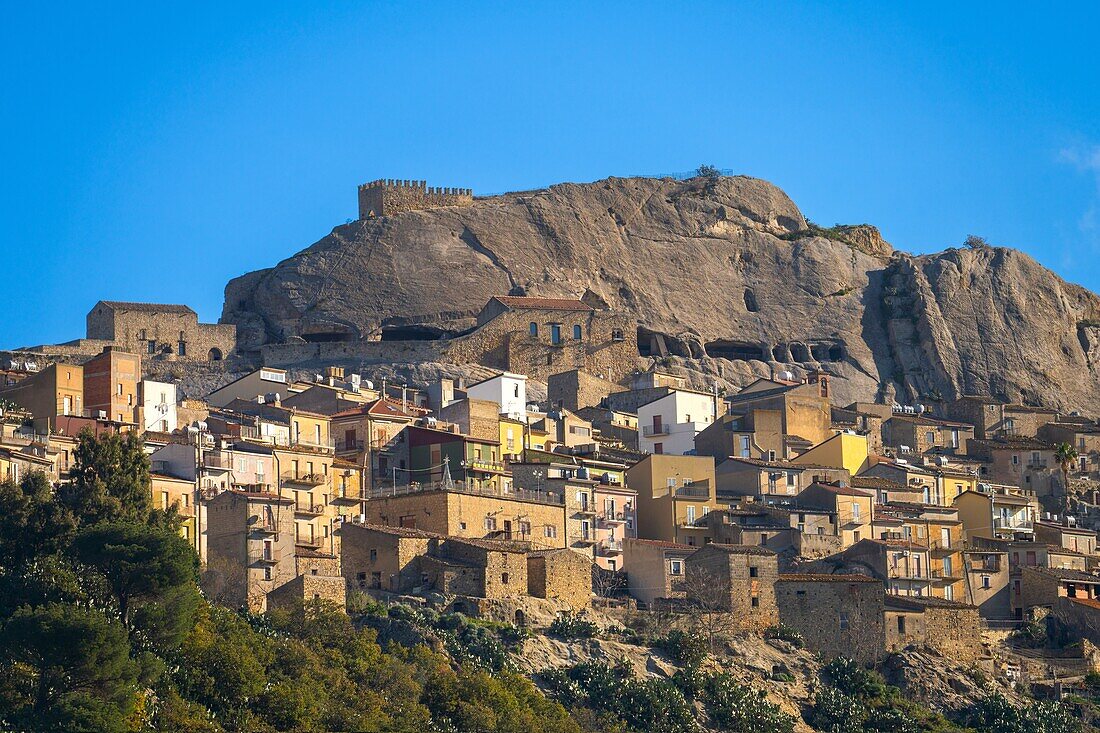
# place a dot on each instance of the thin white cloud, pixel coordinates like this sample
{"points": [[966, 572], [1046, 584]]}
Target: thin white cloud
{"points": [[1086, 159]]}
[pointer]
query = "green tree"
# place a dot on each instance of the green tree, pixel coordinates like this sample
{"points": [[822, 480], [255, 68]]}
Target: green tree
{"points": [[141, 563], [32, 522], [110, 479], [1066, 456], [76, 665]]}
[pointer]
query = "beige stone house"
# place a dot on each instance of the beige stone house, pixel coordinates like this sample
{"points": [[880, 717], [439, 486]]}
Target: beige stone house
{"points": [[657, 570], [837, 615], [735, 579], [562, 575], [769, 481]]}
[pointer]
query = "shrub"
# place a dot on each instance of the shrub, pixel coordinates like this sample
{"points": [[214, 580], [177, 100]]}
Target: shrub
{"points": [[684, 648], [570, 626], [852, 679], [740, 709], [785, 633], [835, 712], [997, 715]]}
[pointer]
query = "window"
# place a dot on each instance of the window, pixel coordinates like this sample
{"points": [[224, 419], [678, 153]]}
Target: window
{"points": [[151, 347], [691, 515], [855, 511], [533, 329], [755, 602], [267, 573], [490, 523], [771, 455], [745, 447], [1015, 460], [843, 618], [986, 582], [901, 624], [754, 572], [671, 482], [550, 531], [577, 333], [504, 578], [374, 555], [949, 592], [120, 389], [555, 333], [182, 348], [676, 567], [658, 448], [930, 437], [525, 528]]}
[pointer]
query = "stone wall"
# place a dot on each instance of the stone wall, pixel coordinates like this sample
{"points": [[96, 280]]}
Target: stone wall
{"points": [[561, 575], [386, 197], [504, 573], [575, 389], [307, 588], [954, 632], [371, 558], [836, 616], [741, 579], [152, 333]]}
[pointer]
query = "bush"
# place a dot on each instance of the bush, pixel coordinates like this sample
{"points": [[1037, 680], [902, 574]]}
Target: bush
{"points": [[785, 633], [997, 715], [852, 679], [570, 626], [740, 709], [835, 712], [684, 648]]}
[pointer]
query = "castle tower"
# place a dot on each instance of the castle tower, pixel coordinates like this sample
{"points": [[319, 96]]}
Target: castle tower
{"points": [[387, 196]]}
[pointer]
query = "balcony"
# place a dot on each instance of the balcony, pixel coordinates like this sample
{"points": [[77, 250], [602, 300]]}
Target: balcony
{"points": [[613, 518], [610, 547], [943, 576], [349, 496], [939, 549], [314, 542], [262, 558], [345, 446], [264, 528], [1037, 463], [586, 509], [582, 539], [309, 509], [654, 431], [217, 460], [1012, 525], [693, 491], [478, 464], [305, 479]]}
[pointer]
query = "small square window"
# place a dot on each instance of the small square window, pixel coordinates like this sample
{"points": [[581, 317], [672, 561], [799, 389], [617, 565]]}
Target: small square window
{"points": [[754, 572]]}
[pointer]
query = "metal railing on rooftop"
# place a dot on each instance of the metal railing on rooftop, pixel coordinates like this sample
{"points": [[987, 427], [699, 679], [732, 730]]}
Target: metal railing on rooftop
{"points": [[541, 497]]}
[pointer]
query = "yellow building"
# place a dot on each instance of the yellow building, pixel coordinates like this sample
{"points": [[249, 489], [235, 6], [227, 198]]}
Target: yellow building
{"points": [[170, 491], [56, 390], [843, 450], [674, 492]]}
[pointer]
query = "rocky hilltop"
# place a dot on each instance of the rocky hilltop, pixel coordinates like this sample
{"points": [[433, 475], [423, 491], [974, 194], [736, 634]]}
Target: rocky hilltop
{"points": [[726, 274]]}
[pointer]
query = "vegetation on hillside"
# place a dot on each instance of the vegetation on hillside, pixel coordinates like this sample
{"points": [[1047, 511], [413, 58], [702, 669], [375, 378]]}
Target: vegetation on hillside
{"points": [[103, 627]]}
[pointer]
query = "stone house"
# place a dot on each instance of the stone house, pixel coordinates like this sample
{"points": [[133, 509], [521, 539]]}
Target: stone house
{"points": [[657, 570], [934, 527], [1043, 587], [478, 418], [1025, 462], [994, 419], [950, 627], [837, 615], [735, 579], [375, 557], [168, 491], [308, 588], [1084, 437], [754, 433], [921, 434], [862, 419], [259, 383], [372, 435], [613, 425], [769, 481], [532, 516], [543, 336], [918, 479], [250, 545], [160, 330], [576, 389], [562, 575], [489, 569]]}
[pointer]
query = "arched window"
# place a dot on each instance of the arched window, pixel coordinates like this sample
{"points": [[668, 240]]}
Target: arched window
{"points": [[577, 333], [534, 329]]}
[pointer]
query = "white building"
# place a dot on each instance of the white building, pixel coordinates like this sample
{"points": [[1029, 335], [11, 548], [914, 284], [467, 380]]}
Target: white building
{"points": [[157, 406], [668, 424], [259, 383], [507, 390]]}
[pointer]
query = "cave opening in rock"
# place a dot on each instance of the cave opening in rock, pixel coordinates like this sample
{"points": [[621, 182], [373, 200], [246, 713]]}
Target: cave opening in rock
{"points": [[736, 350], [750, 301], [321, 337], [412, 333], [800, 353]]}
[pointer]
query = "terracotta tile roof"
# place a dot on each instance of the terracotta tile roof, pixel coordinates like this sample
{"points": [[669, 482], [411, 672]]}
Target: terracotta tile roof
{"points": [[841, 490], [553, 304], [1064, 574], [920, 603], [878, 482], [1088, 602], [661, 543], [826, 578], [409, 532], [785, 465], [120, 305], [738, 549], [493, 545]]}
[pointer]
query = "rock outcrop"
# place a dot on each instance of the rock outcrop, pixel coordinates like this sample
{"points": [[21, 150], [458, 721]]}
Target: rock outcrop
{"points": [[726, 270]]}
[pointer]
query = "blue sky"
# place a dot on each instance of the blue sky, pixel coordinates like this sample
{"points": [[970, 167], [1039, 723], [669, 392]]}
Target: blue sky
{"points": [[154, 151]]}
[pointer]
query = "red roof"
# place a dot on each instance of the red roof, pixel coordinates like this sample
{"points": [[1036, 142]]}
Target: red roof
{"points": [[662, 543], [826, 578], [554, 304]]}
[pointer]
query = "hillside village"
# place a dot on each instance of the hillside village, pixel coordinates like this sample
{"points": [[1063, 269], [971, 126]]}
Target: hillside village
{"points": [[865, 528]]}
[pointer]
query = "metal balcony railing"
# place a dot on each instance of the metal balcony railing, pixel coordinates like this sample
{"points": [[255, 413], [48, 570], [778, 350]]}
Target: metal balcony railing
{"points": [[309, 508], [610, 547], [541, 497], [305, 479], [653, 431]]}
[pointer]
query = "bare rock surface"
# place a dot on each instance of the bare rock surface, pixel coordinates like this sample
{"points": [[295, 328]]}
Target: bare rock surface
{"points": [[727, 269]]}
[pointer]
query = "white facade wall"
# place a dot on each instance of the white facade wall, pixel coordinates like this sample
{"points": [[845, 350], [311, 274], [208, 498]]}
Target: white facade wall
{"points": [[507, 390], [158, 403], [671, 422]]}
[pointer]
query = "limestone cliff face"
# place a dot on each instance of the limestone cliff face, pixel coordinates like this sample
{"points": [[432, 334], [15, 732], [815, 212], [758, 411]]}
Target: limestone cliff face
{"points": [[725, 278]]}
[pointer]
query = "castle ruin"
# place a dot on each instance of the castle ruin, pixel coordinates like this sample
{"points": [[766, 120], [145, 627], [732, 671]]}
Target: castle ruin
{"points": [[387, 196]]}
